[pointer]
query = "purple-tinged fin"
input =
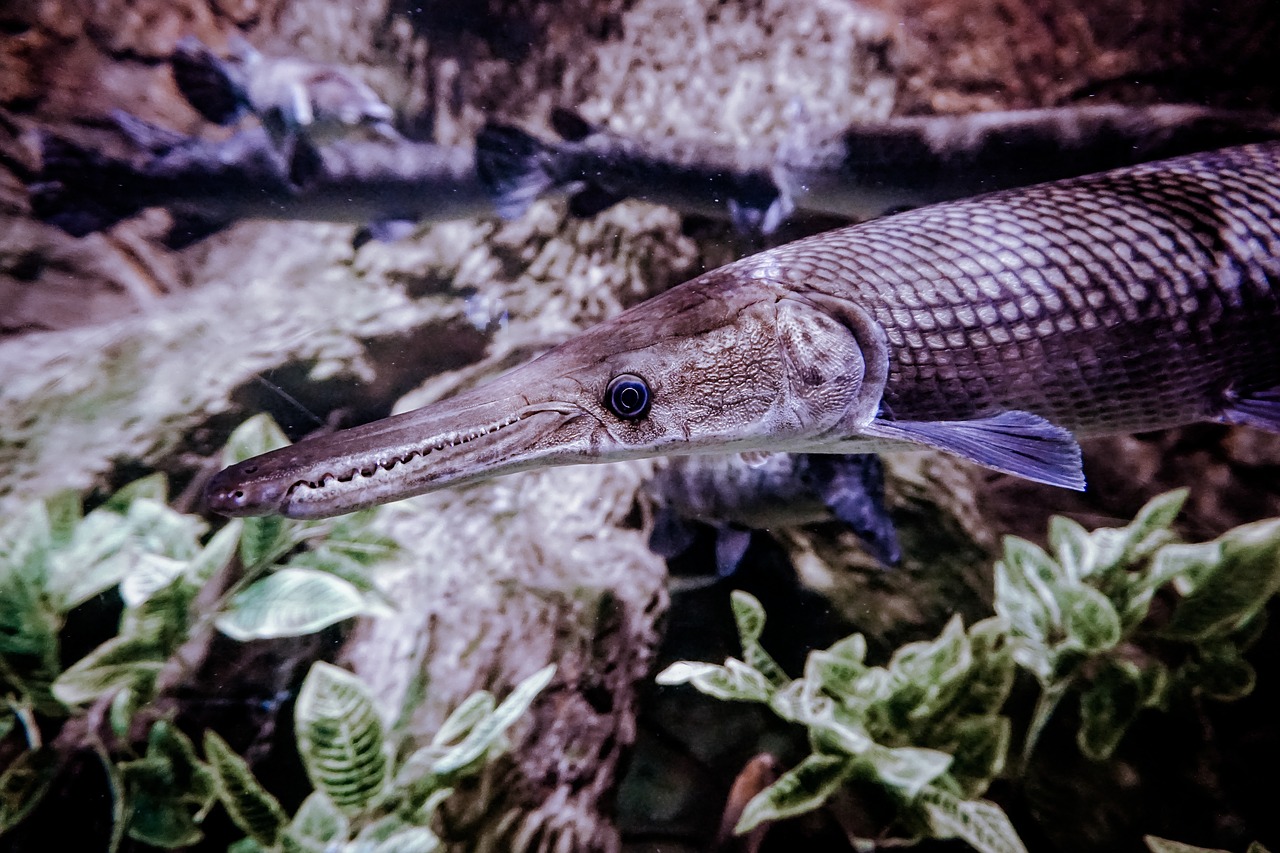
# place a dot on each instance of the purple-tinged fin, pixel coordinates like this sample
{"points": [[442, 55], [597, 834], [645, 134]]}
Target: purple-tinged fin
{"points": [[852, 487], [1016, 442], [515, 167], [731, 546], [570, 126], [1258, 409], [207, 82]]}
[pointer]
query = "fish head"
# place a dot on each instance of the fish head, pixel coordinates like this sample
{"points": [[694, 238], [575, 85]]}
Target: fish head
{"points": [[713, 365]]}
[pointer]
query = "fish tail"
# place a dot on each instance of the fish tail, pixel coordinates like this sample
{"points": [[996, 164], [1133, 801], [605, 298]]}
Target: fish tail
{"points": [[78, 189], [208, 82], [516, 167]]}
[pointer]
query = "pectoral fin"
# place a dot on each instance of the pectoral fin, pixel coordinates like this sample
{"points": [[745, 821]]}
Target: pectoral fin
{"points": [[1016, 442], [1259, 409]]}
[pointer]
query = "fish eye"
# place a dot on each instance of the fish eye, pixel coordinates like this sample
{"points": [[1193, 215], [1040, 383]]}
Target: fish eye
{"points": [[627, 396]]}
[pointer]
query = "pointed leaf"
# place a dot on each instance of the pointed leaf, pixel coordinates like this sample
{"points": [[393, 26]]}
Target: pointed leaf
{"points": [[1236, 589], [1161, 845], [251, 807], [486, 732], [340, 738], [801, 789], [1108, 707], [149, 574], [116, 664], [320, 821], [907, 768], [289, 603], [216, 553], [65, 513], [473, 709], [748, 613], [258, 435], [982, 824], [1089, 619], [392, 834], [1073, 547], [265, 539], [153, 487], [734, 681], [981, 747]]}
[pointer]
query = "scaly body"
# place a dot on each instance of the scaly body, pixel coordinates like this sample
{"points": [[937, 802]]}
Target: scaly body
{"points": [[992, 328]]}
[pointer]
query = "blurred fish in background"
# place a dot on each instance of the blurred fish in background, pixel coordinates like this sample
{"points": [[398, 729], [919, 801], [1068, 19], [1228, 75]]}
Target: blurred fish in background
{"points": [[735, 496], [320, 101]]}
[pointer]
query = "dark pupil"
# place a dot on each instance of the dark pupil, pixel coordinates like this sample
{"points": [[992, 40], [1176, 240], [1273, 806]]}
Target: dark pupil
{"points": [[628, 397]]}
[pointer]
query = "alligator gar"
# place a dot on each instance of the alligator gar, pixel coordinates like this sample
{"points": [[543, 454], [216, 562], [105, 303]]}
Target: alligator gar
{"points": [[996, 328]]}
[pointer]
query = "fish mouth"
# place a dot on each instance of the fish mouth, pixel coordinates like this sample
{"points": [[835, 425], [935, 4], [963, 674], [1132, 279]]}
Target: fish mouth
{"points": [[445, 444]]}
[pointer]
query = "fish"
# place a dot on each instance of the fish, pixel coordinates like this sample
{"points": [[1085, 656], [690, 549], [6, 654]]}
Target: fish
{"points": [[597, 169], [873, 168], [210, 184], [998, 329], [320, 101], [734, 496]]}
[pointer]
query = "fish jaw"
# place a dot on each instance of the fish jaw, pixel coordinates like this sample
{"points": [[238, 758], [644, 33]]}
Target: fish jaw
{"points": [[474, 436]]}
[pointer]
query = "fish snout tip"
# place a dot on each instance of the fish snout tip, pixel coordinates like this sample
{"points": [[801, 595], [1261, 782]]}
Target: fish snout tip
{"points": [[229, 494]]}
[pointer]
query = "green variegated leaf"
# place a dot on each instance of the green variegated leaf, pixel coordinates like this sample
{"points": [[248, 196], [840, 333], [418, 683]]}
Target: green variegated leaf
{"points": [[157, 528], [982, 824], [1089, 620], [121, 662], [835, 669], [124, 705], [1150, 527], [840, 737], [748, 613], [1161, 845], [797, 703], [981, 745], [486, 732], [251, 807], [265, 539], [734, 681], [24, 783], [258, 435], [319, 821], [1031, 612], [216, 553], [153, 487], [907, 769], [1234, 591], [1183, 564], [340, 738], [25, 544], [1219, 671], [926, 676], [1108, 707], [801, 789], [464, 718], [1073, 547], [991, 679], [149, 574], [65, 513], [290, 602], [166, 790], [393, 834]]}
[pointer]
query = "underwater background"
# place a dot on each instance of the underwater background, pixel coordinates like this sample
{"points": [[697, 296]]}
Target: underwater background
{"points": [[121, 357]]}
